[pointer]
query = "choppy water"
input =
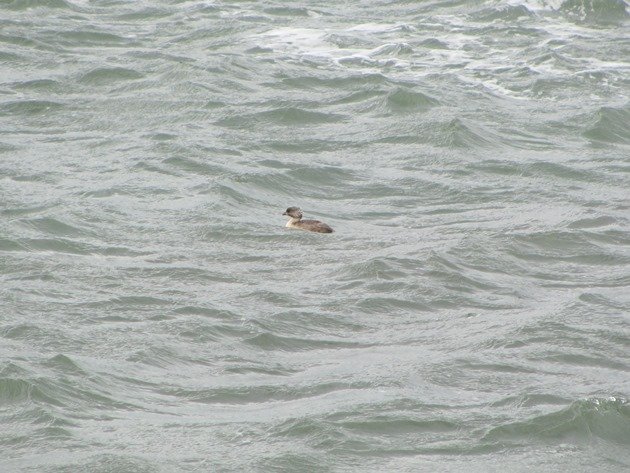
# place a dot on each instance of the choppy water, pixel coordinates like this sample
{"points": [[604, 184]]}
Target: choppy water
{"points": [[469, 313]]}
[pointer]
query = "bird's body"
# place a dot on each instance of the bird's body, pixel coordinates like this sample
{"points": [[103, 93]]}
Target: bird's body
{"points": [[295, 221]]}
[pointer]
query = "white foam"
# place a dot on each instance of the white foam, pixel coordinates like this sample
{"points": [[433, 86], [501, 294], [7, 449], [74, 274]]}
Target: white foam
{"points": [[313, 44], [537, 5], [391, 48], [380, 27], [299, 40]]}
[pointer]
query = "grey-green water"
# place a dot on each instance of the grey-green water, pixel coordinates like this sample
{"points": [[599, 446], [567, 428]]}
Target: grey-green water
{"points": [[470, 313]]}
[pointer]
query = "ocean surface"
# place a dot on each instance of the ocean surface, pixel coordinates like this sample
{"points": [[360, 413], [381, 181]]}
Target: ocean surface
{"points": [[471, 312]]}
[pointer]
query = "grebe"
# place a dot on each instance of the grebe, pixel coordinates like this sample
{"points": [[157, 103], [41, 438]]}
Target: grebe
{"points": [[309, 225]]}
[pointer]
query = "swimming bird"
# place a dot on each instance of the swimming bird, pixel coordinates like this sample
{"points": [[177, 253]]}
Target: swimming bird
{"points": [[295, 221]]}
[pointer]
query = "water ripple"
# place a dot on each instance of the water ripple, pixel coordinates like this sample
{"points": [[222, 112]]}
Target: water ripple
{"points": [[470, 309]]}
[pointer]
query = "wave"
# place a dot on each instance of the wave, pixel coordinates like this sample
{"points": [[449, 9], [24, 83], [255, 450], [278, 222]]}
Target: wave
{"points": [[31, 107], [273, 342], [401, 100], [55, 227], [21, 5], [453, 133], [598, 12], [281, 116], [555, 246], [508, 13], [103, 462], [91, 38], [156, 314], [107, 75], [262, 393], [581, 422], [611, 126]]}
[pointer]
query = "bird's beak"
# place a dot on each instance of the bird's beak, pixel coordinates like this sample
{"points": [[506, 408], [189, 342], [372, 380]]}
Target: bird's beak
{"points": [[284, 213]]}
